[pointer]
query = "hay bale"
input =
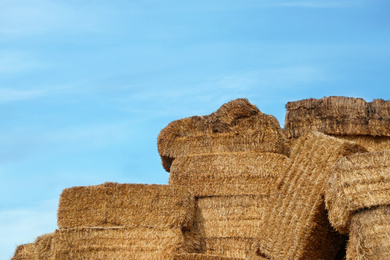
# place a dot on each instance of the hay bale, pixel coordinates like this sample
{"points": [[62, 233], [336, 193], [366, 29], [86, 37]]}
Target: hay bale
{"points": [[296, 225], [122, 243], [236, 126], [217, 174], [369, 236], [358, 181], [202, 257], [372, 143], [338, 116], [25, 252], [229, 216], [131, 205]]}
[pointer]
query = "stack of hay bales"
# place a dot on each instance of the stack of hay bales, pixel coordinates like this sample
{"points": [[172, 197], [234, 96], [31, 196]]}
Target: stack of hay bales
{"points": [[230, 161], [358, 199], [124, 221], [296, 224], [354, 119]]}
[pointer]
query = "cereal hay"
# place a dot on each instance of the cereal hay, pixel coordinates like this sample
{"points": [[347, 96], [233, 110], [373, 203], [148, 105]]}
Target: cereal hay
{"points": [[372, 143], [230, 216], [369, 236], [25, 252], [236, 126], [202, 257], [217, 174], [296, 225], [131, 205], [121, 243], [338, 116], [358, 181]]}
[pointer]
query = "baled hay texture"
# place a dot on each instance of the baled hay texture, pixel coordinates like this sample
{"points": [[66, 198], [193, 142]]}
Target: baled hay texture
{"points": [[358, 181], [203, 257], [232, 247], [132, 205], [237, 126], [296, 225], [372, 143], [25, 252], [230, 216], [217, 174], [369, 236], [122, 243], [338, 116]]}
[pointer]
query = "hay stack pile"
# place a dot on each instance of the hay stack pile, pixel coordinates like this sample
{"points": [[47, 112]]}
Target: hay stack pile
{"points": [[242, 188], [358, 199], [354, 119], [230, 161]]}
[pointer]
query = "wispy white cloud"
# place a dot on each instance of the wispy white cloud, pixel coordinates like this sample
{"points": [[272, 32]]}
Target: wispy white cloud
{"points": [[24, 225], [9, 95]]}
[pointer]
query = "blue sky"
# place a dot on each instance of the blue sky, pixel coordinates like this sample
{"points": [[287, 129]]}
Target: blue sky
{"points": [[86, 86]]}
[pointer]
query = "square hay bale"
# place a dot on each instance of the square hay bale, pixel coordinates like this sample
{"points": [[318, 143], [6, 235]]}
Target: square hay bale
{"points": [[369, 236], [25, 252], [229, 216], [237, 126], [225, 174], [203, 257], [358, 181], [372, 143], [122, 243], [296, 225], [338, 116], [132, 205]]}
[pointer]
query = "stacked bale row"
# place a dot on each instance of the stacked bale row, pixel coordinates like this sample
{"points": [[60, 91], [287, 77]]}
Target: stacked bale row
{"points": [[229, 160], [358, 199], [122, 221]]}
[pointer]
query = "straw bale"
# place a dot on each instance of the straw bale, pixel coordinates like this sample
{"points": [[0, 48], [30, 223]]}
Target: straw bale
{"points": [[358, 181], [372, 143], [369, 236], [236, 126], [132, 205], [296, 225], [25, 252], [203, 257], [338, 116], [216, 174], [121, 243], [229, 216]]}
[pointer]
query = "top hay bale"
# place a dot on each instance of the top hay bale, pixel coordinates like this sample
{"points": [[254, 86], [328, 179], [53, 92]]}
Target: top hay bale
{"points": [[130, 205], [358, 181], [236, 126], [338, 116]]}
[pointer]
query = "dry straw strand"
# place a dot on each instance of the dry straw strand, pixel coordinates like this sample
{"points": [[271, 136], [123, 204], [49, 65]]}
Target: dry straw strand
{"points": [[296, 219], [135, 205], [358, 181], [202, 257], [237, 126]]}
